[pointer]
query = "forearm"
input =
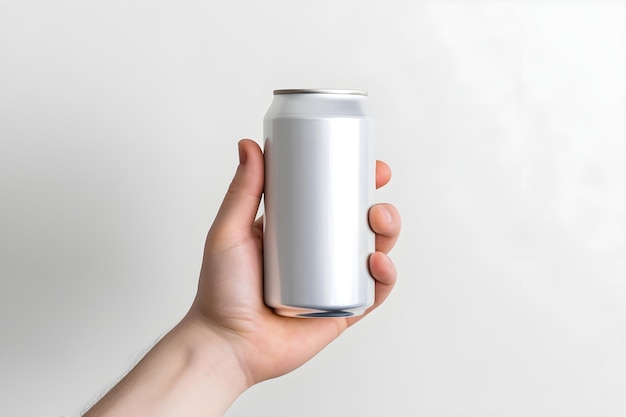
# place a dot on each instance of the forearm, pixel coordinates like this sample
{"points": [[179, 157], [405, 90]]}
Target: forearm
{"points": [[190, 372]]}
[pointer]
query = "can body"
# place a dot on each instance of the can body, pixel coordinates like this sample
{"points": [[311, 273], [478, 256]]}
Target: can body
{"points": [[319, 181]]}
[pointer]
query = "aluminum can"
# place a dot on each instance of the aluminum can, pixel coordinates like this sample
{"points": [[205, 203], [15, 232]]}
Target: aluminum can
{"points": [[319, 182]]}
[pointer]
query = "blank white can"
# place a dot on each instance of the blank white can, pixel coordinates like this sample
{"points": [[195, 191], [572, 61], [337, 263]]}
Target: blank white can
{"points": [[319, 182]]}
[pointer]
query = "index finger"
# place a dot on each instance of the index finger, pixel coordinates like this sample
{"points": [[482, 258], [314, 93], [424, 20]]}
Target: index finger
{"points": [[383, 174]]}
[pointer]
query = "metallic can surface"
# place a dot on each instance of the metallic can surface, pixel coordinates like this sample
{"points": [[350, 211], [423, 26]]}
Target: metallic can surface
{"points": [[319, 181]]}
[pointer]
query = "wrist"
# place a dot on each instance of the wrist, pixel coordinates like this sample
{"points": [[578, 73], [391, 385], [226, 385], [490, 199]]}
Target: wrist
{"points": [[192, 371], [212, 363]]}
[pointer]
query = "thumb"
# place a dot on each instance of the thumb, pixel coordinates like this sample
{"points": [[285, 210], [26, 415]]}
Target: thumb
{"points": [[236, 215]]}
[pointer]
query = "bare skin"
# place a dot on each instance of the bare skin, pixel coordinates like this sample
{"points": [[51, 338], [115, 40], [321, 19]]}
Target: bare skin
{"points": [[229, 340]]}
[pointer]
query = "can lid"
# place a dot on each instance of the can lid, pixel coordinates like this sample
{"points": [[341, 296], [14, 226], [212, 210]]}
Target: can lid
{"points": [[319, 91]]}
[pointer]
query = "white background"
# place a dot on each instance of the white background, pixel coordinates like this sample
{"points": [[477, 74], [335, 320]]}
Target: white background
{"points": [[503, 123]]}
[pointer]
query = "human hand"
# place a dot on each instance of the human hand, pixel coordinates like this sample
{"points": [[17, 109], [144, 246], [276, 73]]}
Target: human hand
{"points": [[230, 340], [229, 302]]}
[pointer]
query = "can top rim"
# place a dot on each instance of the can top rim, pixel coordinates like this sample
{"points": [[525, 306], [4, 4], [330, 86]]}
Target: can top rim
{"points": [[319, 91]]}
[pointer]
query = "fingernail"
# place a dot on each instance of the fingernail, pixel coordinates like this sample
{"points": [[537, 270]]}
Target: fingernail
{"points": [[242, 155], [386, 214]]}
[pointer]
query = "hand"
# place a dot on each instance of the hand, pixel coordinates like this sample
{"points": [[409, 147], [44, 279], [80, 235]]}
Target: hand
{"points": [[229, 301], [229, 340]]}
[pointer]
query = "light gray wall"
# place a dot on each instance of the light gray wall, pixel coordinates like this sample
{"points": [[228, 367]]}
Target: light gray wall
{"points": [[503, 123]]}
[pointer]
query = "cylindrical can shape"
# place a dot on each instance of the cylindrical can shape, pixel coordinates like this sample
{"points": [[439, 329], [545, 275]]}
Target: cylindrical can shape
{"points": [[319, 179]]}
